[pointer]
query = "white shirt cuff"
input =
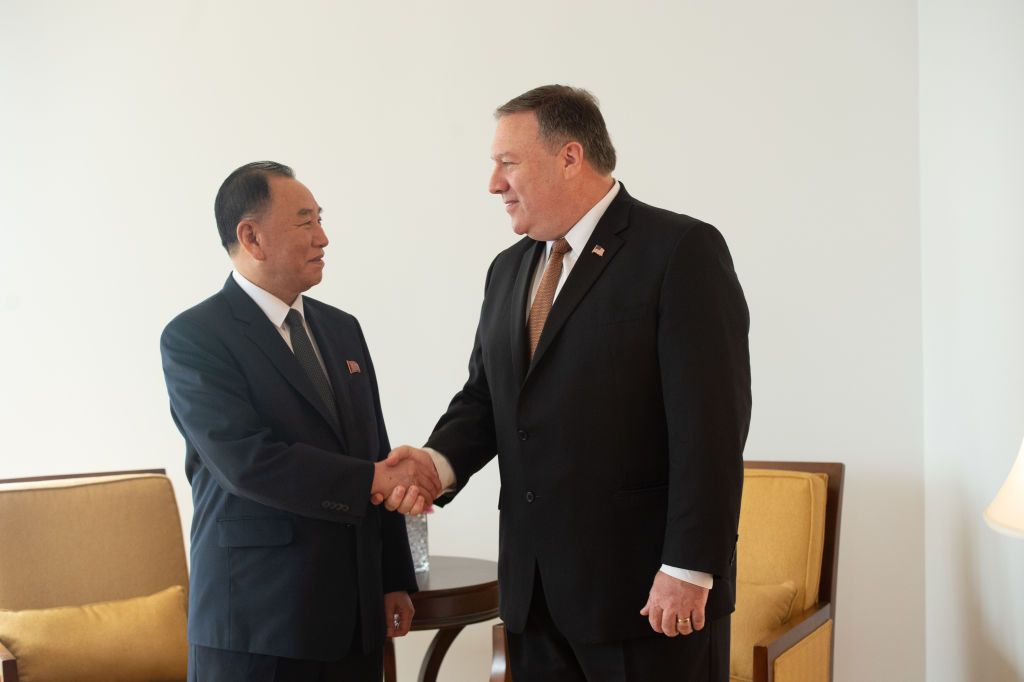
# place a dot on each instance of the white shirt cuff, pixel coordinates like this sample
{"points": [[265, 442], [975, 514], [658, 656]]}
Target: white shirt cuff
{"points": [[444, 469], [705, 580]]}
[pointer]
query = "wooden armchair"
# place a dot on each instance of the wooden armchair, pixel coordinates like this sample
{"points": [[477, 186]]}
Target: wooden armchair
{"points": [[76, 554], [789, 533], [787, 560]]}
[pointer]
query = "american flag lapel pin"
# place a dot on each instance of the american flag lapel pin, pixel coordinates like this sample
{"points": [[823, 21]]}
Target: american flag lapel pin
{"points": [[353, 366], [598, 249]]}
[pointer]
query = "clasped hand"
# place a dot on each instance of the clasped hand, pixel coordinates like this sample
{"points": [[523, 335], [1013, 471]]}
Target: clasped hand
{"points": [[406, 481]]}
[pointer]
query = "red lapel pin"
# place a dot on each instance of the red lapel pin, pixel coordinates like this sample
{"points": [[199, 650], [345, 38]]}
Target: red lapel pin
{"points": [[599, 250], [353, 366]]}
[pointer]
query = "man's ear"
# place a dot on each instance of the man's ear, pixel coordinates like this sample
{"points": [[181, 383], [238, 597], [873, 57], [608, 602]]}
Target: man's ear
{"points": [[572, 159], [249, 239]]}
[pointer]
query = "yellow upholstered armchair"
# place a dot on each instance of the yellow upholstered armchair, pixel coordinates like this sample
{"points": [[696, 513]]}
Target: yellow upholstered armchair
{"points": [[787, 556], [93, 579]]}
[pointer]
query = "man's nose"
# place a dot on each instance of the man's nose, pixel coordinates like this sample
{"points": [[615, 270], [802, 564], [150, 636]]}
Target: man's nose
{"points": [[320, 239], [497, 184]]}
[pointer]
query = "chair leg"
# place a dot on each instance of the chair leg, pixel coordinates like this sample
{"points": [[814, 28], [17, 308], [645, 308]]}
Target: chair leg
{"points": [[499, 662]]}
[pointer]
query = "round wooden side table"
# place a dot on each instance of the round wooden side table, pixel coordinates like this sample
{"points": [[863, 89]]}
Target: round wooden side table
{"points": [[456, 592]]}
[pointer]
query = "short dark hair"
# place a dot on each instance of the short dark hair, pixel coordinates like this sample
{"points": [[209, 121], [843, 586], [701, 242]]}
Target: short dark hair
{"points": [[246, 192], [567, 114]]}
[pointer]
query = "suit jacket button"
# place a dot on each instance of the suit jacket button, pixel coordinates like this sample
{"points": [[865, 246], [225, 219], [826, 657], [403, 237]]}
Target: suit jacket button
{"points": [[529, 496], [523, 435]]}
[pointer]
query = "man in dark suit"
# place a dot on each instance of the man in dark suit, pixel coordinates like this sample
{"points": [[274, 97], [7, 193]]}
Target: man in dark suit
{"points": [[295, 575], [610, 374]]}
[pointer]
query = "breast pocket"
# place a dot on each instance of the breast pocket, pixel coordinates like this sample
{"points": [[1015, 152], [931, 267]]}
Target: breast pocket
{"points": [[614, 314]]}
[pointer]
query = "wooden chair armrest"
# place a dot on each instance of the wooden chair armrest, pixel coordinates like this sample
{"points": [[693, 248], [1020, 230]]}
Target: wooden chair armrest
{"points": [[785, 637], [8, 665]]}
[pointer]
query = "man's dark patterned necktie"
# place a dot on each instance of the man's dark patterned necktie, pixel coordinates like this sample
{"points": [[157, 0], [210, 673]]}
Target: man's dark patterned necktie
{"points": [[303, 349]]}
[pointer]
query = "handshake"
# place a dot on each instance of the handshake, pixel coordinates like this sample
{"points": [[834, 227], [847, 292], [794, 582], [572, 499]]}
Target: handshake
{"points": [[406, 481]]}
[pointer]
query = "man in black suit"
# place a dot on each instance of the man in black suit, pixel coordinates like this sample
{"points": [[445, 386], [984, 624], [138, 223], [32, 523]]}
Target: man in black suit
{"points": [[295, 575], [611, 376]]}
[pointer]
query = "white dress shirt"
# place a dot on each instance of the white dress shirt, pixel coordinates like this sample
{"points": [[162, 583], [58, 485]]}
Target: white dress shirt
{"points": [[276, 311], [577, 236]]}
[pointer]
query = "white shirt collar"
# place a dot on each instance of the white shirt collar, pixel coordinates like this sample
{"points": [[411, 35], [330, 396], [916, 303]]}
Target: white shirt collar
{"points": [[580, 233], [274, 308]]}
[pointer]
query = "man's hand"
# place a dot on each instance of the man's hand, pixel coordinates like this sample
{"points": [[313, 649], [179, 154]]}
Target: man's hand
{"points": [[406, 481], [673, 600], [398, 612]]}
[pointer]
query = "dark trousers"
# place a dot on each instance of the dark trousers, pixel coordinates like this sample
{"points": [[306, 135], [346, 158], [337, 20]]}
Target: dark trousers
{"points": [[219, 665], [540, 653]]}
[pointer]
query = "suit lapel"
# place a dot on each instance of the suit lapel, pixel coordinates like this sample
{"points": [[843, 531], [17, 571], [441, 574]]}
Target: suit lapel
{"points": [[585, 271], [261, 332], [517, 321]]}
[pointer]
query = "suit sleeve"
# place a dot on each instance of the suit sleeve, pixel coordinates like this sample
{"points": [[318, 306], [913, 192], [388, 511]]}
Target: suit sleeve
{"points": [[705, 371], [465, 433], [211, 405], [397, 573]]}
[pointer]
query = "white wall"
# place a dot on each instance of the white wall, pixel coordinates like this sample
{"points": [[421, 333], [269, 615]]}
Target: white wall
{"points": [[972, 209], [790, 125]]}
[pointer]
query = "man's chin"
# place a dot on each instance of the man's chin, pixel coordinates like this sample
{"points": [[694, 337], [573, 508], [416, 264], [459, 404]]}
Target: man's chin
{"points": [[313, 280]]}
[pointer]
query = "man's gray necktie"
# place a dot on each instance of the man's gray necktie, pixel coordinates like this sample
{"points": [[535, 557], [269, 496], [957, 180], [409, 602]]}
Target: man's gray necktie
{"points": [[303, 349]]}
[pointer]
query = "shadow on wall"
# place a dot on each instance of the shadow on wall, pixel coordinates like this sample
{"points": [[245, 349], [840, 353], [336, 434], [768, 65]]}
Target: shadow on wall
{"points": [[982, 572]]}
